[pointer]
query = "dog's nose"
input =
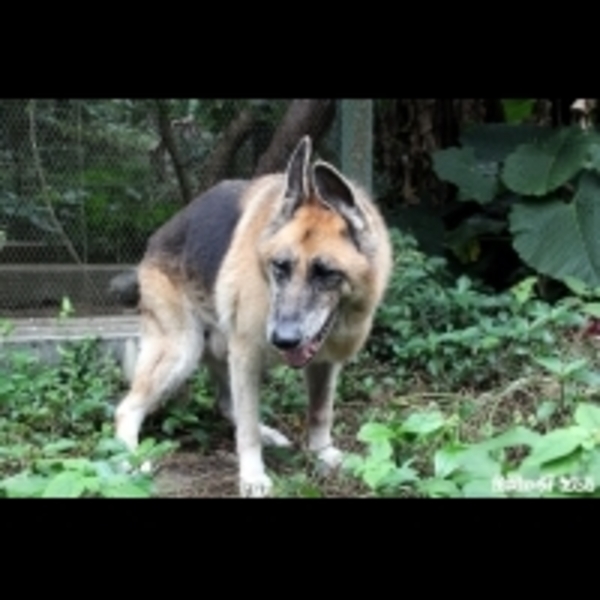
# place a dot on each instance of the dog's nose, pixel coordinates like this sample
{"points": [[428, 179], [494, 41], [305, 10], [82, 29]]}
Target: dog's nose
{"points": [[286, 336]]}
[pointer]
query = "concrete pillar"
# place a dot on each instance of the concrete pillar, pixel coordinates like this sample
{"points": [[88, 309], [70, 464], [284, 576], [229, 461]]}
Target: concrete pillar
{"points": [[357, 141]]}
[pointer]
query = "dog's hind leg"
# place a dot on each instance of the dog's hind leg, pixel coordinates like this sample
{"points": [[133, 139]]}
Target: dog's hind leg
{"points": [[321, 380], [171, 346]]}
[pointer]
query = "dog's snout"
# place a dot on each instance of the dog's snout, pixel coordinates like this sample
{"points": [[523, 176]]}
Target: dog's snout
{"points": [[286, 336]]}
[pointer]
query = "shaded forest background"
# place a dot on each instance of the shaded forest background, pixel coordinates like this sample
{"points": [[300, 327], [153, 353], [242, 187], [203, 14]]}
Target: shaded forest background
{"points": [[87, 181]]}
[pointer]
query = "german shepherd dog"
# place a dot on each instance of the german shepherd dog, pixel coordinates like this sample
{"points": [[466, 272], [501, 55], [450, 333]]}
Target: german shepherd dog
{"points": [[289, 266]]}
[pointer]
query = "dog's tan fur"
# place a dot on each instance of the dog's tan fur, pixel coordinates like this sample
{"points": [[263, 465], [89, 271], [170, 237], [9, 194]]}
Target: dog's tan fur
{"points": [[224, 316]]}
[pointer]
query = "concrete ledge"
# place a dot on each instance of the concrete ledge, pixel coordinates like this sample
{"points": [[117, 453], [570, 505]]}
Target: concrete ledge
{"points": [[38, 285], [119, 336]]}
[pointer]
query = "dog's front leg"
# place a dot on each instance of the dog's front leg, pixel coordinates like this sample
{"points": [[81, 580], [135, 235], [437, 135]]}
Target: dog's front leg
{"points": [[321, 380], [245, 369]]}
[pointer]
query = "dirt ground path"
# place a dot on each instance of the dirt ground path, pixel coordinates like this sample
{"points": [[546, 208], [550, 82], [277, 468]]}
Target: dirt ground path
{"points": [[189, 474], [192, 472]]}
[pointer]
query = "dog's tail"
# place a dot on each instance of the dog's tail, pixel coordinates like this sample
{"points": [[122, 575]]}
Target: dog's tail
{"points": [[125, 289]]}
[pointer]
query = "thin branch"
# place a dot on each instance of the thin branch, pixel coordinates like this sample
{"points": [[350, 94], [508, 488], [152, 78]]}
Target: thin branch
{"points": [[37, 163]]}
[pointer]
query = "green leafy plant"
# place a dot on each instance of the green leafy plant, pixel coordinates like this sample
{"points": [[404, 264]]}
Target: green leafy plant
{"points": [[561, 462], [298, 485], [490, 445], [541, 185], [54, 440], [285, 391], [564, 371], [451, 332], [191, 416], [103, 475], [66, 309]]}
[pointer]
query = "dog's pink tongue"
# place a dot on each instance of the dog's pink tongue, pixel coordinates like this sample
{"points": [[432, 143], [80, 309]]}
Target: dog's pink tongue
{"points": [[298, 357]]}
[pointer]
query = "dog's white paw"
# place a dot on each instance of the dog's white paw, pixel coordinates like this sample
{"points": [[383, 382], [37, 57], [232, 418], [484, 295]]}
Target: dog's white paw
{"points": [[329, 460], [146, 467], [272, 437], [257, 486]]}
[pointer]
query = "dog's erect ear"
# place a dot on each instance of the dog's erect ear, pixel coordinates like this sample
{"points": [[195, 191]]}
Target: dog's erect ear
{"points": [[334, 191], [296, 175]]}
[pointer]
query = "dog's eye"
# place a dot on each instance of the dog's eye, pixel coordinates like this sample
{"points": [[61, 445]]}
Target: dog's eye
{"points": [[323, 272], [281, 268]]}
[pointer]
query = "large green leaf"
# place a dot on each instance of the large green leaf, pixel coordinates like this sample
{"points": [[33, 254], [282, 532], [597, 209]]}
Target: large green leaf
{"points": [[594, 153], [541, 167], [559, 239], [475, 180], [24, 485], [516, 436], [556, 444], [68, 484], [436, 487], [480, 488], [447, 460], [588, 416], [124, 490], [375, 432], [423, 423]]}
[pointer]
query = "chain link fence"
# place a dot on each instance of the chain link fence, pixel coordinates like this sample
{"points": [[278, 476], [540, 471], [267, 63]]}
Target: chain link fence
{"points": [[83, 183]]}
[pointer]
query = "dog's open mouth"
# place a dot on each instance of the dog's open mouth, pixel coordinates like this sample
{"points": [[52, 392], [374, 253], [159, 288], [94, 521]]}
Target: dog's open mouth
{"points": [[301, 355]]}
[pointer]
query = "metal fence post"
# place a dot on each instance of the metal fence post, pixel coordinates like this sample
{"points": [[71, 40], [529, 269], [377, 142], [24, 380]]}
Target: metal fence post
{"points": [[357, 141]]}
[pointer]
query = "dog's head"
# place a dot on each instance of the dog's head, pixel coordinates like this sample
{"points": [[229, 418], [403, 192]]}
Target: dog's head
{"points": [[315, 257]]}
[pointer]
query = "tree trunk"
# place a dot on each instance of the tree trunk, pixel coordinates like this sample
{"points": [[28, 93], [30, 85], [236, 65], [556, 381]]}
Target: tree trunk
{"points": [[215, 168], [408, 131], [303, 117], [168, 139]]}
